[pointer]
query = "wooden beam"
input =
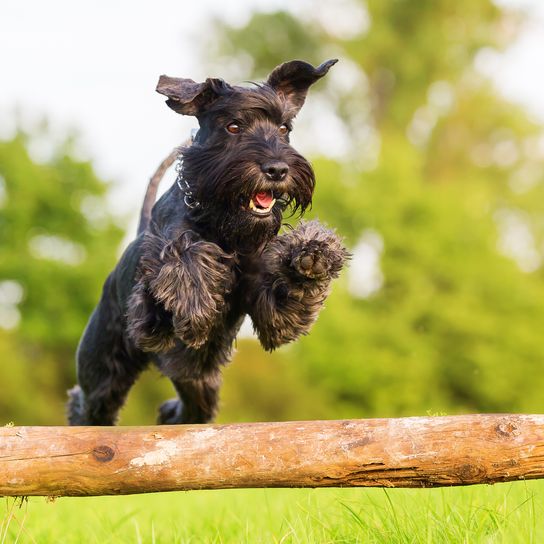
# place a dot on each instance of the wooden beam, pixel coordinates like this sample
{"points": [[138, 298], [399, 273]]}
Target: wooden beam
{"points": [[405, 452]]}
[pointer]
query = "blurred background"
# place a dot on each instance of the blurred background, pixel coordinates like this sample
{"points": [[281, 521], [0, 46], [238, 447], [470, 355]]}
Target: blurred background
{"points": [[428, 143]]}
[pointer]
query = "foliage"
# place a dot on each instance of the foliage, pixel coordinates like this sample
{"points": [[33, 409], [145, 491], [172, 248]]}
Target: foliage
{"points": [[437, 187], [440, 178], [57, 241]]}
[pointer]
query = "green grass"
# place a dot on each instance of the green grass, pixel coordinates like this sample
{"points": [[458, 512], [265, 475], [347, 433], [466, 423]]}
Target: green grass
{"points": [[506, 513]]}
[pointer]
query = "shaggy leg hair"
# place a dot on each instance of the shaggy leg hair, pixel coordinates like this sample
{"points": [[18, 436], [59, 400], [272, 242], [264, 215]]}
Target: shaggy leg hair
{"points": [[294, 282], [107, 368], [189, 279], [197, 402]]}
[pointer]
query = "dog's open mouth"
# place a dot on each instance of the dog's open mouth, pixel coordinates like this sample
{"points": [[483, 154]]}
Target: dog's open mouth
{"points": [[262, 203]]}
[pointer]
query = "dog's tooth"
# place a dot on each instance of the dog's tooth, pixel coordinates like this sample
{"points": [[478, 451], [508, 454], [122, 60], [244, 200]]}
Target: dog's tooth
{"points": [[259, 210]]}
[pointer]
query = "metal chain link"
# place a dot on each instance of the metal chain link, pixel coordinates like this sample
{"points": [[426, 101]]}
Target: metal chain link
{"points": [[188, 198]]}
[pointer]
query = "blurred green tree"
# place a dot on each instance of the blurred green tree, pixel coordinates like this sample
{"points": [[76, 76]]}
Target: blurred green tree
{"points": [[438, 188], [58, 241], [434, 179]]}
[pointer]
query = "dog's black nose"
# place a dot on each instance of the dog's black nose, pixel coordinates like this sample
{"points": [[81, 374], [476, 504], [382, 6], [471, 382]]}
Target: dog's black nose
{"points": [[275, 170]]}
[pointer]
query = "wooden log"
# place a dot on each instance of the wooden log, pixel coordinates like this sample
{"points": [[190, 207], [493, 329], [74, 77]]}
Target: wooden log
{"points": [[406, 452]]}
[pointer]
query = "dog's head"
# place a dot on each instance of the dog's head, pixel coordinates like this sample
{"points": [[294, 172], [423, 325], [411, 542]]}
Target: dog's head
{"points": [[241, 168]]}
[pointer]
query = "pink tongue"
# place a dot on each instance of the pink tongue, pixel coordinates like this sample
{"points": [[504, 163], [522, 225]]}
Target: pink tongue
{"points": [[264, 199]]}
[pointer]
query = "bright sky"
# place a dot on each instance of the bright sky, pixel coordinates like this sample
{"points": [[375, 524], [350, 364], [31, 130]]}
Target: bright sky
{"points": [[94, 66]]}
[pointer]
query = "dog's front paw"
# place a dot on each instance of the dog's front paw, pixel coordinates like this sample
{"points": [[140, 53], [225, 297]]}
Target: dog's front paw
{"points": [[148, 324], [194, 330], [318, 259], [312, 260], [190, 279], [312, 251]]}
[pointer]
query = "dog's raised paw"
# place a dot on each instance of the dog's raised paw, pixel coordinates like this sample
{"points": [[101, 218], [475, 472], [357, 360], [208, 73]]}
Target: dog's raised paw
{"points": [[193, 331], [313, 260]]}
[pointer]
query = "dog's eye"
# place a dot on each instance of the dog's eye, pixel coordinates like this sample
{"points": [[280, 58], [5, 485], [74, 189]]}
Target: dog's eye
{"points": [[283, 130], [233, 128]]}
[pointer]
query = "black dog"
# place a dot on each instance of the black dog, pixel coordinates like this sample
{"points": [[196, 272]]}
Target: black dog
{"points": [[210, 254]]}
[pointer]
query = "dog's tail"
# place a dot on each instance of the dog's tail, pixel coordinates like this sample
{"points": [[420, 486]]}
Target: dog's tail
{"points": [[153, 186]]}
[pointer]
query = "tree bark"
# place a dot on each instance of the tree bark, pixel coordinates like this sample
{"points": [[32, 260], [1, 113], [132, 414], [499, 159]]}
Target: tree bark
{"points": [[405, 452]]}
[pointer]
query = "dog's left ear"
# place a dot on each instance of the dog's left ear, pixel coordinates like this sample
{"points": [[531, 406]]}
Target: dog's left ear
{"points": [[187, 97], [292, 80]]}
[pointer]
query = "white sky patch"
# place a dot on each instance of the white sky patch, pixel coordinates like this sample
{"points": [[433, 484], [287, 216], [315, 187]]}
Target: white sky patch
{"points": [[246, 330], [345, 76], [94, 66], [533, 148], [524, 178], [11, 294], [421, 126], [440, 99], [56, 248], [365, 276], [371, 148], [501, 150], [482, 154], [505, 153], [345, 19], [323, 131], [92, 207], [43, 143], [519, 72], [516, 239]]}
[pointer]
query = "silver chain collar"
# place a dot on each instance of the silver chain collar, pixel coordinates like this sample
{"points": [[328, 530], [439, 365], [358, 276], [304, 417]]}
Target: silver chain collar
{"points": [[184, 187]]}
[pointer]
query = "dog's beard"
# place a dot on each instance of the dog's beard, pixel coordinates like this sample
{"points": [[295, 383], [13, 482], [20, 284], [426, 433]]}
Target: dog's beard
{"points": [[246, 233], [234, 194], [236, 228]]}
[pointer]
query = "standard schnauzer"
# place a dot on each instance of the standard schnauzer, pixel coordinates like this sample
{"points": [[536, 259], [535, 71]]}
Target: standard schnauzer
{"points": [[209, 253]]}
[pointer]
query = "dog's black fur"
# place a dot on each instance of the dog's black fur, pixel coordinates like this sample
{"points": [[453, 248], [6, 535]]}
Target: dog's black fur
{"points": [[207, 257]]}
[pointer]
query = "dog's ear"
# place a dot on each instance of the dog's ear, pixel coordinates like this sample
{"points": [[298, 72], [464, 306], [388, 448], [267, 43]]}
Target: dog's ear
{"points": [[187, 97], [292, 80]]}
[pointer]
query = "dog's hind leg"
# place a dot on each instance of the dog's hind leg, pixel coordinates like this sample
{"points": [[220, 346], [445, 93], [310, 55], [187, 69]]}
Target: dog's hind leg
{"points": [[106, 372], [98, 401], [197, 402]]}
